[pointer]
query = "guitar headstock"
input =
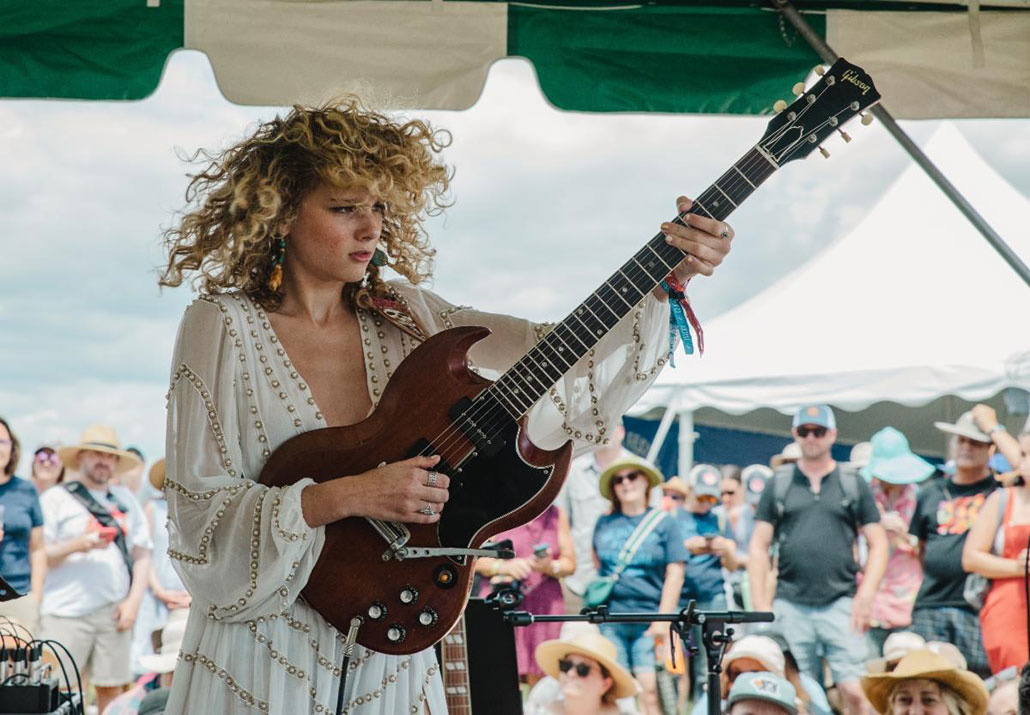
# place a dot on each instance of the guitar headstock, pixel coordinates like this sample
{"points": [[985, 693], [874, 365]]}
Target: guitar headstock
{"points": [[843, 91]]}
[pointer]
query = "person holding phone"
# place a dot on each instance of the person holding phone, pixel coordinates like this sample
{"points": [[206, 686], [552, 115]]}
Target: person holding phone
{"points": [[98, 555], [543, 555], [706, 536]]}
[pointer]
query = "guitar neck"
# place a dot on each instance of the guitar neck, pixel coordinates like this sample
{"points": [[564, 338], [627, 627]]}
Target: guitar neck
{"points": [[530, 378], [454, 656]]}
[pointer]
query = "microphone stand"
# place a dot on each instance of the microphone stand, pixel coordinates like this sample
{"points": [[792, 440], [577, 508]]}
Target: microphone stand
{"points": [[715, 636]]}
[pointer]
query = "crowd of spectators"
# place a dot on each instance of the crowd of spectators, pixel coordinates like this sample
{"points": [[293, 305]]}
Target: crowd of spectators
{"points": [[897, 584]]}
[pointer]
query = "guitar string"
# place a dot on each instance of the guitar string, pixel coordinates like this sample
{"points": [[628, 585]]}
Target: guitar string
{"points": [[453, 436], [745, 164]]}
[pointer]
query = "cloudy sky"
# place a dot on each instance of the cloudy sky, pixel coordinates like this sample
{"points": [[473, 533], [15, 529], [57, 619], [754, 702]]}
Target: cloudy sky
{"points": [[547, 203]]}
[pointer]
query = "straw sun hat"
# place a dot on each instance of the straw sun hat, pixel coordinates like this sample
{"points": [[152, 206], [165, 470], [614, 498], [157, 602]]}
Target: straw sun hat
{"points": [[654, 477], [589, 644], [926, 665], [99, 438], [157, 474]]}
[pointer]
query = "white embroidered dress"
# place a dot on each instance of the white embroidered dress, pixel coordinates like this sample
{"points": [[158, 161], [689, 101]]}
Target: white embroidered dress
{"points": [[244, 550]]}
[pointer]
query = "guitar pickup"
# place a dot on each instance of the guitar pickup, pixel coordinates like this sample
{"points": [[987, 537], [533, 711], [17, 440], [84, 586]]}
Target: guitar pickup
{"points": [[474, 427]]}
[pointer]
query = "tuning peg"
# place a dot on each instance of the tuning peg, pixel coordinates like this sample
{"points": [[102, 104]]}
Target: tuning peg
{"points": [[847, 137], [819, 70], [779, 106], [867, 119], [826, 154], [799, 89]]}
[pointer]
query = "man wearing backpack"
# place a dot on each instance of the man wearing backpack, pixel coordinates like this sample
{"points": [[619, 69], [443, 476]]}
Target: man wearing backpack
{"points": [[813, 511]]}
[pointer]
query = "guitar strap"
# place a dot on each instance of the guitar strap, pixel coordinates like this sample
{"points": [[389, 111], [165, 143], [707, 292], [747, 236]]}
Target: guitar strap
{"points": [[82, 495], [395, 309]]}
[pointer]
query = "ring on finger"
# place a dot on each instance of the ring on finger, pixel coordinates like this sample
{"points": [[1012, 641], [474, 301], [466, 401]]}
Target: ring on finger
{"points": [[427, 510], [725, 233], [431, 481]]}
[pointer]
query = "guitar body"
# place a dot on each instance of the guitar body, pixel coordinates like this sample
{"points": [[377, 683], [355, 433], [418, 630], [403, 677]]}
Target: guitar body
{"points": [[420, 598]]}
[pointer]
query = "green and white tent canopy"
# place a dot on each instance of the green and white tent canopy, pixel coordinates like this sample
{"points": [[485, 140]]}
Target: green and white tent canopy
{"points": [[929, 59]]}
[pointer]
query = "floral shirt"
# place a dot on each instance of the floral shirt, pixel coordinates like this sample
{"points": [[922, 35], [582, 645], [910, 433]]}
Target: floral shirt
{"points": [[892, 607]]}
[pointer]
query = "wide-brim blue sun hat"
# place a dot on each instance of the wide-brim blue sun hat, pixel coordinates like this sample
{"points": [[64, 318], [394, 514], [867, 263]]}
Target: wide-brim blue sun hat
{"points": [[892, 460]]}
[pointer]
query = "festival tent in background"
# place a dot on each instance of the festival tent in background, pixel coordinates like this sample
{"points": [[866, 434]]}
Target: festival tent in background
{"points": [[906, 320], [930, 59]]}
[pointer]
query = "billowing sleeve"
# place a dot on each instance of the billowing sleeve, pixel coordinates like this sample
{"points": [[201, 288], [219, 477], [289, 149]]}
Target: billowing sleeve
{"points": [[587, 402], [243, 550]]}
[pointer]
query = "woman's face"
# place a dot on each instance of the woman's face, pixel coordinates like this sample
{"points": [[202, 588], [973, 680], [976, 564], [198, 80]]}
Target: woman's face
{"points": [[591, 686], [46, 469], [630, 486], [6, 446], [334, 235], [918, 697]]}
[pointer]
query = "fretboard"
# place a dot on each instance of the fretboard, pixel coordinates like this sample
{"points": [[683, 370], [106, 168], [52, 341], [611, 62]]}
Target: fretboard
{"points": [[454, 657], [571, 339]]}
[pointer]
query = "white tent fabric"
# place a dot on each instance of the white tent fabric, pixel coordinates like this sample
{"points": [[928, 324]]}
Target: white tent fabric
{"points": [[911, 306]]}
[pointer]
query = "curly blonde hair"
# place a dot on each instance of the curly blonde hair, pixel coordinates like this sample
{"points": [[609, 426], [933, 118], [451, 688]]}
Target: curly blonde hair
{"points": [[237, 202]]}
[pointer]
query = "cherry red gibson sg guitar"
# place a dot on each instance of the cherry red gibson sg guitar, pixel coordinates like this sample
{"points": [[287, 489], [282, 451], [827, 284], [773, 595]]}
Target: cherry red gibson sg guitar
{"points": [[408, 583]]}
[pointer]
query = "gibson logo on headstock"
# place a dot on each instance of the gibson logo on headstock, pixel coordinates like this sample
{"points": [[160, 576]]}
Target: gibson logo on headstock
{"points": [[852, 77]]}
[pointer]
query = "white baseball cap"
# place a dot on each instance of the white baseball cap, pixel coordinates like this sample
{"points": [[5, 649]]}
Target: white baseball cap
{"points": [[760, 648]]}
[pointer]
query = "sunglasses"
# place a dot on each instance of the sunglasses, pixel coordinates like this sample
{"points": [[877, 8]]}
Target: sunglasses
{"points": [[617, 480], [582, 669], [818, 432], [47, 458]]}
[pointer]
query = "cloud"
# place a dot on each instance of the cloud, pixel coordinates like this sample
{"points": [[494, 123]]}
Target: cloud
{"points": [[548, 203]]}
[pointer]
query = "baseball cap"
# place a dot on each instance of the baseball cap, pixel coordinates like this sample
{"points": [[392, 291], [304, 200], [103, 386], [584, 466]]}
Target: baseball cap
{"points": [[754, 477], [764, 686], [819, 415], [705, 480], [760, 648]]}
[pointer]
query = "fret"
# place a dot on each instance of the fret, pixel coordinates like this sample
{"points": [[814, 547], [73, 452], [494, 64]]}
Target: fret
{"points": [[603, 312], [744, 176], [716, 185], [612, 299], [625, 287], [698, 206], [561, 352]]}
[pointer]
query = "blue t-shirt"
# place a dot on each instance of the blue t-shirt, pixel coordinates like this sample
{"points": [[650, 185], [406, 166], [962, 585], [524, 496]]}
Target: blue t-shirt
{"points": [[639, 588], [21, 514], [703, 573]]}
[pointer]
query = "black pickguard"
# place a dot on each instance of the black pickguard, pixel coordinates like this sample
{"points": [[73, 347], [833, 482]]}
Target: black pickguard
{"points": [[487, 488]]}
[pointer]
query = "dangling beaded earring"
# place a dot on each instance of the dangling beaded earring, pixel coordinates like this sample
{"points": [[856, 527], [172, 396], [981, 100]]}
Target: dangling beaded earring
{"points": [[278, 256], [379, 258]]}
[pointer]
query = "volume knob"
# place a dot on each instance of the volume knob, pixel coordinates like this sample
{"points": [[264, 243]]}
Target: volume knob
{"points": [[377, 611], [396, 633], [409, 595], [427, 617]]}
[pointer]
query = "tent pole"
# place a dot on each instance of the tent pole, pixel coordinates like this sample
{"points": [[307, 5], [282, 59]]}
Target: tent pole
{"points": [[661, 434], [686, 445], [818, 44]]}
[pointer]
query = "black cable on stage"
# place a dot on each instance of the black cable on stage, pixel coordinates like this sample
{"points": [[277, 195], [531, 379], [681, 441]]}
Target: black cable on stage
{"points": [[50, 643], [12, 677]]}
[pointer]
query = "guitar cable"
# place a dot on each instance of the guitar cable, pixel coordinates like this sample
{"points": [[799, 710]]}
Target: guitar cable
{"points": [[348, 651]]}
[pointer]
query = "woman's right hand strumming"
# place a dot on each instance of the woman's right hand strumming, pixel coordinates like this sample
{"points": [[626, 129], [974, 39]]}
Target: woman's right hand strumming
{"points": [[399, 491]]}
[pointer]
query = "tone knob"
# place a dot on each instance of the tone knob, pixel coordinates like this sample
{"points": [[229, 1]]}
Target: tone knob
{"points": [[377, 611], [427, 617], [396, 633], [408, 595]]}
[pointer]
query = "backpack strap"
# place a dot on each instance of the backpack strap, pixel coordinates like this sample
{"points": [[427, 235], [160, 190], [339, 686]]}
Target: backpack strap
{"points": [[852, 496], [782, 479]]}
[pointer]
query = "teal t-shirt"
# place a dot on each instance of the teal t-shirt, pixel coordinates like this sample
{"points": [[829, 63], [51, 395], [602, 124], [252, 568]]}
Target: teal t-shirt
{"points": [[639, 588], [22, 513]]}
